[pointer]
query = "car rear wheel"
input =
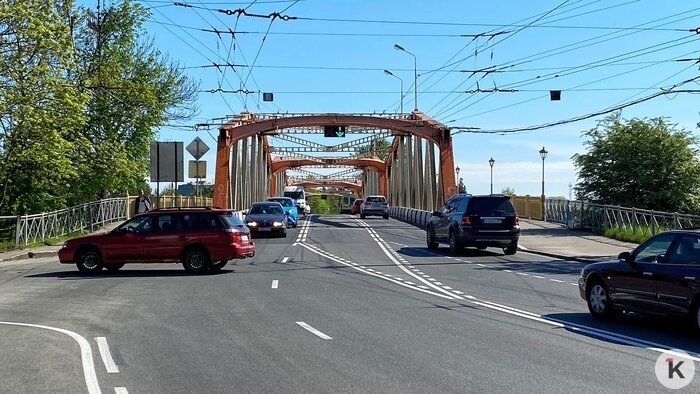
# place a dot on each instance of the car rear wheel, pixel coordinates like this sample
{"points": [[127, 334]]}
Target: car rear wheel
{"points": [[196, 260], [430, 239], [89, 261], [386, 217], [510, 250], [455, 245], [114, 267], [598, 300]]}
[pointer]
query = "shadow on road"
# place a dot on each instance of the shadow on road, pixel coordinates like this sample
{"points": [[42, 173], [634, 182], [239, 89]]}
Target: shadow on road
{"points": [[667, 331], [124, 273]]}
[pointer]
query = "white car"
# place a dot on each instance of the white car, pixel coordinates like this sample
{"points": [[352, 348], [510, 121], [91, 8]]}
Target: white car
{"points": [[375, 205]]}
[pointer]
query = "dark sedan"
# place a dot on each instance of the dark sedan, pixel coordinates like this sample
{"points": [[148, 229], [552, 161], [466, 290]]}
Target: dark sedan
{"points": [[661, 276], [266, 217]]}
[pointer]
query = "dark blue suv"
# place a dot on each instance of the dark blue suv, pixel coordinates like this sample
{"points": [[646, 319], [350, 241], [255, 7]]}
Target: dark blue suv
{"points": [[476, 221]]}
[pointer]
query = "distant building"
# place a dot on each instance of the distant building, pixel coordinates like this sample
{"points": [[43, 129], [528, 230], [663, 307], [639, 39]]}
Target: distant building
{"points": [[188, 189]]}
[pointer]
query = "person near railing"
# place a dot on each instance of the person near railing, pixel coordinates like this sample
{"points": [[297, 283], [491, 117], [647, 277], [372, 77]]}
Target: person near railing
{"points": [[142, 203]]}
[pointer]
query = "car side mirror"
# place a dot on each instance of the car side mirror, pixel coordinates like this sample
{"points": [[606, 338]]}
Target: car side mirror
{"points": [[626, 257]]}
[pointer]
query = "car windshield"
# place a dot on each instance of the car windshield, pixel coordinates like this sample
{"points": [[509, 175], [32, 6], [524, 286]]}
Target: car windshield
{"points": [[485, 206], [285, 202], [294, 195], [265, 209]]}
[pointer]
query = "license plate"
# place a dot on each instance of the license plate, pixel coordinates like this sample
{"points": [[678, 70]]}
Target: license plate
{"points": [[492, 221], [264, 229]]}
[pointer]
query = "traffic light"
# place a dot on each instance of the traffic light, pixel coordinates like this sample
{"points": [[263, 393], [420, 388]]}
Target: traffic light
{"points": [[334, 131]]}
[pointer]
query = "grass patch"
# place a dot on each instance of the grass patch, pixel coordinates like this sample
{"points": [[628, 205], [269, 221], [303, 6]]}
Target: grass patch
{"points": [[638, 235]]}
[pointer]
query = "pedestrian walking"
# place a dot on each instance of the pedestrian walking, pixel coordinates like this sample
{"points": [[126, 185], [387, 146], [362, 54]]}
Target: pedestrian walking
{"points": [[142, 204]]}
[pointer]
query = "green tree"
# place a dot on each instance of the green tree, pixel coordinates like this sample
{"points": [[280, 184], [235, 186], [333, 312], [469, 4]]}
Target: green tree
{"points": [[319, 206], [378, 147], [640, 163], [133, 90], [41, 110], [507, 191]]}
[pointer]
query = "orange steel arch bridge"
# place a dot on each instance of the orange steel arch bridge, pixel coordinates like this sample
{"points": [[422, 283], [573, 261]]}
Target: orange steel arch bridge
{"points": [[255, 158]]}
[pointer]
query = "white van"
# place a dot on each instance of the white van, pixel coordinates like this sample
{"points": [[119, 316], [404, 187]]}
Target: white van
{"points": [[298, 194]]}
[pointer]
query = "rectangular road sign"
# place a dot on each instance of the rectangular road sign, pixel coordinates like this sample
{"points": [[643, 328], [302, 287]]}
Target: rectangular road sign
{"points": [[197, 169], [167, 163]]}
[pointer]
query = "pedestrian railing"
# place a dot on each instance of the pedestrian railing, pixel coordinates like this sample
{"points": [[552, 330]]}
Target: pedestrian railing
{"points": [[590, 216], [17, 231]]}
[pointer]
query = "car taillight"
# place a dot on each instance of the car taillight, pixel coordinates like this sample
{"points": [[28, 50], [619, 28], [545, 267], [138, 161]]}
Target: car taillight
{"points": [[466, 221], [517, 221], [235, 233]]}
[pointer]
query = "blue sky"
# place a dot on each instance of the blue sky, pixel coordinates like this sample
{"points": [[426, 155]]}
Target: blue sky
{"points": [[598, 53]]}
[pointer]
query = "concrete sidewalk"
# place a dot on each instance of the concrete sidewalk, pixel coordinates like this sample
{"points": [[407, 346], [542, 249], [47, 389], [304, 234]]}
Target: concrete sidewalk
{"points": [[555, 240], [45, 250]]}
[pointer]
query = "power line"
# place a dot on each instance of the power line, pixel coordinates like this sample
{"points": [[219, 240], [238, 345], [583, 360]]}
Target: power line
{"points": [[663, 92], [549, 53]]}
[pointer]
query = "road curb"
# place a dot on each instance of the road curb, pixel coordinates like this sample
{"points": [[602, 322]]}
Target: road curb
{"points": [[30, 255], [559, 256]]}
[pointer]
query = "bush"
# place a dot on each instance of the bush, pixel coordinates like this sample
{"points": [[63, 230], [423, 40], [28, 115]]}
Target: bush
{"points": [[639, 235]]}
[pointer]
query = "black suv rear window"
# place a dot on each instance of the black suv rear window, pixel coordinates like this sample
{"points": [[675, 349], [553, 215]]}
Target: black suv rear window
{"points": [[490, 206], [376, 199], [232, 220]]}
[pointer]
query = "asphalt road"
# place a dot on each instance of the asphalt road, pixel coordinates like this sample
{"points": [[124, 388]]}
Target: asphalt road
{"points": [[340, 305]]}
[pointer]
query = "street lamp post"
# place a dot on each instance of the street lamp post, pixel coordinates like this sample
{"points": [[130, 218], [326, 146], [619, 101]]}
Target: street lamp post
{"points": [[491, 163], [457, 171], [543, 155], [415, 73], [387, 72]]}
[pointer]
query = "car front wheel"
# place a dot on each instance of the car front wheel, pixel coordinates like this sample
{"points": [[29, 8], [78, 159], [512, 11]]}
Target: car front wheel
{"points": [[430, 239], [89, 261], [598, 299]]}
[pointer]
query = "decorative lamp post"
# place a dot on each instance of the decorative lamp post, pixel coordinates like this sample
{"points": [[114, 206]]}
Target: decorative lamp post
{"points": [[543, 155], [457, 171], [491, 163]]}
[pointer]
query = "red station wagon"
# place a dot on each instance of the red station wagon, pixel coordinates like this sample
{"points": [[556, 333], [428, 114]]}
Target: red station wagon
{"points": [[200, 238]]}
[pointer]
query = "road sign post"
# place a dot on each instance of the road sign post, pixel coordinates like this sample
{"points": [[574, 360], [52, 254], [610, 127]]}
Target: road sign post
{"points": [[197, 148]]}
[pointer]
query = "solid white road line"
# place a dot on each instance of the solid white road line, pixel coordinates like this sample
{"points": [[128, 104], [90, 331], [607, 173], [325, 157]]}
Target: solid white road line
{"points": [[366, 270], [120, 390], [313, 330], [284, 260], [557, 280], [85, 354], [106, 355], [275, 283]]}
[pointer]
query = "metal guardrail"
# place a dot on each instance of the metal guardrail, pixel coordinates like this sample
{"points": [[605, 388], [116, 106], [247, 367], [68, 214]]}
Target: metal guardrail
{"points": [[589, 216]]}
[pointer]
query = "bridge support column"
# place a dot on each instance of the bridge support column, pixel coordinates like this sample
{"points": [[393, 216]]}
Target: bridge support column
{"points": [[222, 175], [447, 168]]}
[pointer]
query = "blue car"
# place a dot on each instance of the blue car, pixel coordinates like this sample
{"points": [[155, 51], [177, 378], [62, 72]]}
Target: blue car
{"points": [[289, 209]]}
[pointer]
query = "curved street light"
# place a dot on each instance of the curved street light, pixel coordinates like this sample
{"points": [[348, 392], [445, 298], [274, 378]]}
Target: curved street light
{"points": [[415, 73], [387, 72]]}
